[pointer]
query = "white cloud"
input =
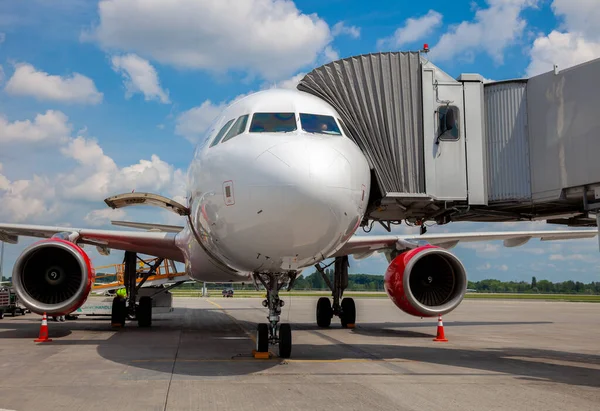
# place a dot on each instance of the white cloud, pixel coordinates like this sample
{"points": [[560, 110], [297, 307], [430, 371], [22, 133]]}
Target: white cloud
{"points": [[492, 30], [564, 49], [269, 37], [98, 175], [194, 122], [77, 88], [289, 83], [2, 37], [97, 218], [413, 29], [580, 15], [329, 55], [89, 177], [535, 251], [139, 76], [1, 74], [4, 183], [23, 199], [572, 257], [482, 249], [487, 266], [580, 42], [49, 127], [341, 28], [541, 266]]}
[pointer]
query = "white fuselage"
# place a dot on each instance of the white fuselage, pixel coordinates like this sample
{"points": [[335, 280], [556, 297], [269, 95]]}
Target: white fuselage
{"points": [[272, 199]]}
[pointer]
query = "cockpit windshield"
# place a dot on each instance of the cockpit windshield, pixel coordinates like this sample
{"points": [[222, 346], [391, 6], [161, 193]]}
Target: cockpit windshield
{"points": [[273, 123], [316, 123]]}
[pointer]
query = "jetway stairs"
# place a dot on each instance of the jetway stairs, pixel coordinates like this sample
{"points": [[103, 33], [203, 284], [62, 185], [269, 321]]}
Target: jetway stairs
{"points": [[444, 149]]}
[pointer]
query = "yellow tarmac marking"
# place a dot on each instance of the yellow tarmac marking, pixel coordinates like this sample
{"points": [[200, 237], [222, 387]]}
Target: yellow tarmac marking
{"points": [[249, 334]]}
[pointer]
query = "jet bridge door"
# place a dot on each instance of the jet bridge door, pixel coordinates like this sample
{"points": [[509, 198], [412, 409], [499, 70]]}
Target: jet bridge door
{"points": [[444, 135]]}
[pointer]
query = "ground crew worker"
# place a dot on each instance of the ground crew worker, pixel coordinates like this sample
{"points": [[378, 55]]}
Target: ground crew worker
{"points": [[122, 293]]}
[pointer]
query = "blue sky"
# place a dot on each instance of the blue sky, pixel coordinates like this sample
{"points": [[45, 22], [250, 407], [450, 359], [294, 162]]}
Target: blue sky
{"points": [[98, 98]]}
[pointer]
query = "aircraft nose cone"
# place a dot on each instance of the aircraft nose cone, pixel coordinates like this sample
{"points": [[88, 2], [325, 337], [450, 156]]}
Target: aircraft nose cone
{"points": [[312, 164], [314, 198]]}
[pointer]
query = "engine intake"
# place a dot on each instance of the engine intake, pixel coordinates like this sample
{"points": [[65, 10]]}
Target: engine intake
{"points": [[426, 281], [53, 276]]}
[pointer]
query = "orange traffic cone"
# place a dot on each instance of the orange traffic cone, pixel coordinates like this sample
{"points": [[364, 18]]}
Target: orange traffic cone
{"points": [[440, 331], [43, 331]]}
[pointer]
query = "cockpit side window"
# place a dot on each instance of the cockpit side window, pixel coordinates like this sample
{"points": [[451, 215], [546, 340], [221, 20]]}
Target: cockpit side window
{"points": [[344, 128], [221, 133], [317, 123], [238, 128], [273, 123]]}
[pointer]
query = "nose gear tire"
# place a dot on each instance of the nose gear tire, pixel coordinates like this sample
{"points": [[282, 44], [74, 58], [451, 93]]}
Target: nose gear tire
{"points": [[285, 341], [262, 338]]}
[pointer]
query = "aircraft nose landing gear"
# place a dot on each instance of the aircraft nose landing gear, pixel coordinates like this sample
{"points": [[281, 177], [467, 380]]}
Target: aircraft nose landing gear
{"points": [[273, 333]]}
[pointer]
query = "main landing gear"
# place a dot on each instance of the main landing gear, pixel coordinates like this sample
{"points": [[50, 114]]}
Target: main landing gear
{"points": [[273, 332], [130, 307], [343, 308]]}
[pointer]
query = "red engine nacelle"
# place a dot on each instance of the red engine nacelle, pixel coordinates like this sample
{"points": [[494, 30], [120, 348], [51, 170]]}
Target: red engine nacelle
{"points": [[426, 281], [53, 276]]}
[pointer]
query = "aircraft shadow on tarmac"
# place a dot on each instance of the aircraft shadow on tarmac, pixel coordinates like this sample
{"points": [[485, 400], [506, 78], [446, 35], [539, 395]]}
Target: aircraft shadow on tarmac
{"points": [[389, 329], [219, 347]]}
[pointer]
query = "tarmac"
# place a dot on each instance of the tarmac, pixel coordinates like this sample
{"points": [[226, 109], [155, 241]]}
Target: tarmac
{"points": [[501, 355]]}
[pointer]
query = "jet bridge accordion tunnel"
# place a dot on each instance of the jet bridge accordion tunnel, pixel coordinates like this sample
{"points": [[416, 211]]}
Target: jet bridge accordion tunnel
{"points": [[445, 149]]}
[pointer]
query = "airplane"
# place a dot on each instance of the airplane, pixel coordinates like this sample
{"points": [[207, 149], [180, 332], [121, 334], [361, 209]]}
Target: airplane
{"points": [[275, 187]]}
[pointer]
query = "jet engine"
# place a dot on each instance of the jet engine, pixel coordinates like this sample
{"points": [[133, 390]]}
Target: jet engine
{"points": [[53, 276], [426, 281]]}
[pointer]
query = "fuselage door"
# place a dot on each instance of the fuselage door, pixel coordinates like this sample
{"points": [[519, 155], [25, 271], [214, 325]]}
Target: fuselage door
{"points": [[132, 199]]}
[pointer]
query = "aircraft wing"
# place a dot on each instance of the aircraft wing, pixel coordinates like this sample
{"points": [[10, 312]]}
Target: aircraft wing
{"points": [[362, 246], [159, 244]]}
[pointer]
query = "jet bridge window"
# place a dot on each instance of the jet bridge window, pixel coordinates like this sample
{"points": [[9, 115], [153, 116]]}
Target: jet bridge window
{"points": [[273, 123], [315, 123], [448, 123], [238, 128], [221, 133]]}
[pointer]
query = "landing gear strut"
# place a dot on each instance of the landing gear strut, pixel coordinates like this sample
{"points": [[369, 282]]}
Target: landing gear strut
{"points": [[343, 308], [273, 332], [124, 308]]}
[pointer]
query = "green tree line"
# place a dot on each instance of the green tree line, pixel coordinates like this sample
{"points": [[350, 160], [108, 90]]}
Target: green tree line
{"points": [[369, 282], [535, 286]]}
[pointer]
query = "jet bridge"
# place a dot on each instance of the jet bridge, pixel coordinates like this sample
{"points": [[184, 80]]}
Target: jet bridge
{"points": [[445, 149]]}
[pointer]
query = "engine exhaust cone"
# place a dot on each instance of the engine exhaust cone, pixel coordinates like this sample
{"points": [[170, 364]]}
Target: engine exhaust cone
{"points": [[440, 337], [43, 331]]}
